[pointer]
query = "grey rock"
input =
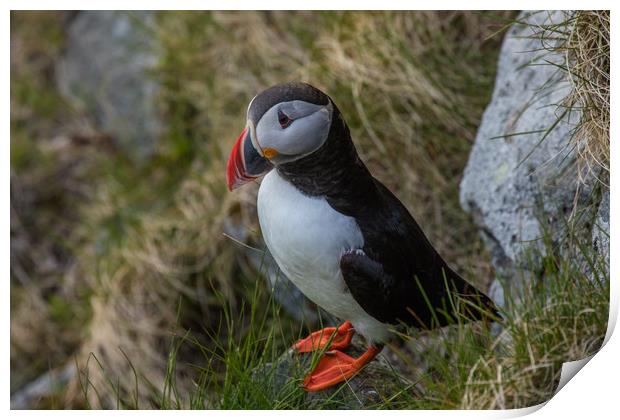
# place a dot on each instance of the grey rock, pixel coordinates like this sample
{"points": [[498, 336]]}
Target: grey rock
{"points": [[45, 386], [104, 73], [513, 181], [600, 231]]}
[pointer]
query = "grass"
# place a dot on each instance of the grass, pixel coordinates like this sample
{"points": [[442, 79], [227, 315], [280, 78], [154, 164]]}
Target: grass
{"points": [[467, 366], [158, 308], [587, 57], [41, 277]]}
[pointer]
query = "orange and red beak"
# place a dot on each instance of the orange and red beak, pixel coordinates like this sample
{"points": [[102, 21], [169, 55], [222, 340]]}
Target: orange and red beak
{"points": [[245, 163]]}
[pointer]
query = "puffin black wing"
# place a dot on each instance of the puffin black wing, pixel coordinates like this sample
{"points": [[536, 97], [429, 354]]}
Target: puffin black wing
{"points": [[369, 284], [399, 276]]}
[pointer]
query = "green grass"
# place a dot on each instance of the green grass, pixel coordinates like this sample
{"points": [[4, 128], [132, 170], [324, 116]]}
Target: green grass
{"points": [[560, 319]]}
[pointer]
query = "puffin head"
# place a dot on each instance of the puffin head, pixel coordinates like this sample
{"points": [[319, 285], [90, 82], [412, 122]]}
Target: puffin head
{"points": [[284, 123]]}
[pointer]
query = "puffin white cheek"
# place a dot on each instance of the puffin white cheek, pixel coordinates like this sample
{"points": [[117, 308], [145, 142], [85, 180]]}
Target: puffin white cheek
{"points": [[302, 137], [307, 134], [269, 134]]}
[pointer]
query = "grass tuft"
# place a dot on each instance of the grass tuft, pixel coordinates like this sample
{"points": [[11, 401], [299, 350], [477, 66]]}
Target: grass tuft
{"points": [[577, 44], [587, 63]]}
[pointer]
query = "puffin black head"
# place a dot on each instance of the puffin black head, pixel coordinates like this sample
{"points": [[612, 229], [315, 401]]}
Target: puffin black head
{"points": [[285, 123]]}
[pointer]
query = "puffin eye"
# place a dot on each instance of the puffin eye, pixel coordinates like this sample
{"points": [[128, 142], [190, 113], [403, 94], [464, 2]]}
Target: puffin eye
{"points": [[284, 119]]}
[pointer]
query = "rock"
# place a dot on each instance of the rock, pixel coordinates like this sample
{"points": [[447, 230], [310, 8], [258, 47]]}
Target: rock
{"points": [[104, 72], [512, 181], [45, 386], [373, 385], [600, 231]]}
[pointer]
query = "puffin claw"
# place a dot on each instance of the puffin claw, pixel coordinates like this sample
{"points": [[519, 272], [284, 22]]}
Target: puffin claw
{"points": [[335, 368], [356, 251], [330, 338]]}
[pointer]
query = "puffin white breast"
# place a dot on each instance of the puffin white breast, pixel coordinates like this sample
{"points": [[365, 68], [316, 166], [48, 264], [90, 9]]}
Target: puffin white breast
{"points": [[307, 238]]}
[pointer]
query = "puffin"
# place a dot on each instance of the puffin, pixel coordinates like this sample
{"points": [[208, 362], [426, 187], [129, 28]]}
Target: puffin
{"points": [[339, 234]]}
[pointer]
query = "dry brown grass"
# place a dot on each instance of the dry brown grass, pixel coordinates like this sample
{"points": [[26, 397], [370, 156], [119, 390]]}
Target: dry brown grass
{"points": [[525, 366], [156, 285], [52, 159], [588, 64]]}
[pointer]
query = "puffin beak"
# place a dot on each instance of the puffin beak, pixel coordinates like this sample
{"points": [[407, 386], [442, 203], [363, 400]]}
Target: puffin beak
{"points": [[245, 163]]}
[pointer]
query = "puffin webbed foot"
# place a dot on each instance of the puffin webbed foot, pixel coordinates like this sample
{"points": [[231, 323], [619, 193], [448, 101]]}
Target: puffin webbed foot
{"points": [[337, 338], [335, 367]]}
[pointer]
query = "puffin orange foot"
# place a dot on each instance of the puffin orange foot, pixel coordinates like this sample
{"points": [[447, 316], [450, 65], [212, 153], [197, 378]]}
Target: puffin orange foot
{"points": [[335, 367], [318, 340]]}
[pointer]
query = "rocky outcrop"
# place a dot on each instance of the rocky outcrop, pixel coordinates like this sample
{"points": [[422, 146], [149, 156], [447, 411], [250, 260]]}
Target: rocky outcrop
{"points": [[520, 178], [104, 73], [600, 231]]}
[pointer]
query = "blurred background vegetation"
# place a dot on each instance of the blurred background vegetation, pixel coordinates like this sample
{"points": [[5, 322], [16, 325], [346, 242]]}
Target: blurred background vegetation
{"points": [[121, 252]]}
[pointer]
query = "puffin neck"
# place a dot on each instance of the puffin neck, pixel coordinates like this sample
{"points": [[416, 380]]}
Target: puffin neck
{"points": [[334, 170]]}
